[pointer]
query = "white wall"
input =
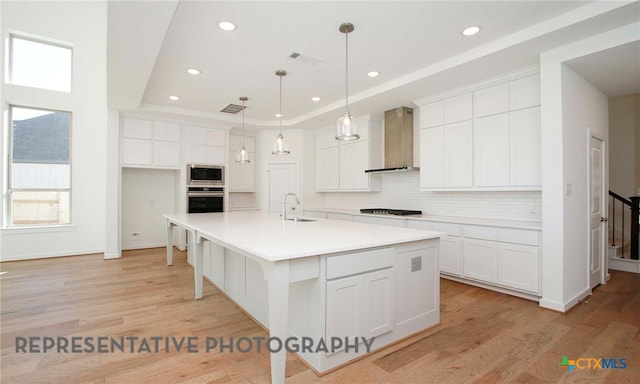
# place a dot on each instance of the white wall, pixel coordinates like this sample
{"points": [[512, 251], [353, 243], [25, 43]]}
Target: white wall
{"points": [[623, 130], [147, 194], [584, 113], [84, 25], [564, 141]]}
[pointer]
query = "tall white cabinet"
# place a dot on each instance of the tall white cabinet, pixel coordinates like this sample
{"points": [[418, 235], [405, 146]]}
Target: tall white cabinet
{"points": [[486, 137], [241, 176], [340, 165], [150, 144]]}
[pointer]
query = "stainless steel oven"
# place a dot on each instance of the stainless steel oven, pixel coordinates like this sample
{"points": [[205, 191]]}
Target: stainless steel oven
{"points": [[205, 174], [202, 199]]}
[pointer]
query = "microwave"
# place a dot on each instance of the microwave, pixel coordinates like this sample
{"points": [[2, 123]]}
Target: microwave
{"points": [[203, 174]]}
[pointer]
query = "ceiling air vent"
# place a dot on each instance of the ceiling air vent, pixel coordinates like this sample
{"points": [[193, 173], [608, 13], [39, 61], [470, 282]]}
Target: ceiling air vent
{"points": [[304, 59], [232, 108]]}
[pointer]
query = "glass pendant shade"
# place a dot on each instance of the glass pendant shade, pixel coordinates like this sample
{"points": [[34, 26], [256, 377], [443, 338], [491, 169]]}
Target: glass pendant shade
{"points": [[280, 146], [346, 126], [243, 154]]}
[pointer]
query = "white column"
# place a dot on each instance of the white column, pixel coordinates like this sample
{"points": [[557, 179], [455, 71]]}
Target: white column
{"points": [[278, 280]]}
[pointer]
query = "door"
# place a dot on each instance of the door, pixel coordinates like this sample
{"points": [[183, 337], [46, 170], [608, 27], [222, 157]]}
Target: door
{"points": [[597, 220], [282, 180]]}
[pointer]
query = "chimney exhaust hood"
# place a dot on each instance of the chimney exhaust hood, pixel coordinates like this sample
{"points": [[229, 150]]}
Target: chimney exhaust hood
{"points": [[398, 141]]}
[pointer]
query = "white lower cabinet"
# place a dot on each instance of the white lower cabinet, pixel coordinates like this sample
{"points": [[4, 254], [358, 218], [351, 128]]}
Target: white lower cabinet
{"points": [[518, 266], [360, 306], [380, 221], [451, 255], [481, 260]]}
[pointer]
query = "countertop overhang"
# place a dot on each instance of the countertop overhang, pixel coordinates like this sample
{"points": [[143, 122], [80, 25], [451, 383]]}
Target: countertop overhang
{"points": [[268, 236]]}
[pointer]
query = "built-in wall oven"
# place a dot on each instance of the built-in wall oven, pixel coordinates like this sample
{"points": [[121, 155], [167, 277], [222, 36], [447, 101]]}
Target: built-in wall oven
{"points": [[202, 199]]}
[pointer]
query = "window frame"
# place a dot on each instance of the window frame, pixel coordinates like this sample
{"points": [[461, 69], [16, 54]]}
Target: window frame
{"points": [[39, 40], [8, 170]]}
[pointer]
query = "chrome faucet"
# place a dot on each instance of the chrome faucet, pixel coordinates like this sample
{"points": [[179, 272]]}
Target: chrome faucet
{"points": [[284, 205]]}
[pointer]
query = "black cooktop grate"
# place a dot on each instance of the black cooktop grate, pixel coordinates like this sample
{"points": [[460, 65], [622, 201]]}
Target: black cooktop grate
{"points": [[387, 211]]}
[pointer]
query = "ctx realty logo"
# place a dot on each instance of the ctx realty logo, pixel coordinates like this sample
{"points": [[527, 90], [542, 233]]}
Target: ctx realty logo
{"points": [[592, 363]]}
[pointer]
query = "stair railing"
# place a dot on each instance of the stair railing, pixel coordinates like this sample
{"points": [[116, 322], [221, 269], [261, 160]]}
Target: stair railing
{"points": [[633, 204]]}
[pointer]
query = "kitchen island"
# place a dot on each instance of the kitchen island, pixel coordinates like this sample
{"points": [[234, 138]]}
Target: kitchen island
{"points": [[352, 287]]}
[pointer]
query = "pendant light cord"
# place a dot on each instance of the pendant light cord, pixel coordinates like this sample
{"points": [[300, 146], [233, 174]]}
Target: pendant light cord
{"points": [[346, 72], [242, 123], [280, 105]]}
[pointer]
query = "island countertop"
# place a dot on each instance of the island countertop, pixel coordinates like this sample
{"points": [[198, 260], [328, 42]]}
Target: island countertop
{"points": [[268, 236]]}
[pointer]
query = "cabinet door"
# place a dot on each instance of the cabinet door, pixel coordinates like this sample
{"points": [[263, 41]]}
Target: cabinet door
{"points": [[167, 154], [525, 154], [380, 221], [518, 266], [492, 100], [167, 132], [458, 108], [378, 302], [136, 152], [451, 255], [344, 308], [432, 115], [524, 93], [432, 157], [458, 154], [481, 260], [214, 155], [195, 153], [215, 137], [491, 151], [194, 135], [234, 172], [137, 128], [328, 169], [354, 159]]}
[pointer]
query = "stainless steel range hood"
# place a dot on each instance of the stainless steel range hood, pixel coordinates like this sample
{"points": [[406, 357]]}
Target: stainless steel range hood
{"points": [[398, 141]]}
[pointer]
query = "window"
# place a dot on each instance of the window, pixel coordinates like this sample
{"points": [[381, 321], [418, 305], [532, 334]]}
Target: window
{"points": [[39, 64], [39, 167]]}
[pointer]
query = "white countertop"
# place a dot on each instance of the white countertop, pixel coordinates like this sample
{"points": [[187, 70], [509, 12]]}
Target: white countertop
{"points": [[520, 224], [267, 236]]}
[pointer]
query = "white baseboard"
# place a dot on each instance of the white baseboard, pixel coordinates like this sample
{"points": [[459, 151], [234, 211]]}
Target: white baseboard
{"points": [[625, 265], [108, 256], [143, 246], [48, 255]]}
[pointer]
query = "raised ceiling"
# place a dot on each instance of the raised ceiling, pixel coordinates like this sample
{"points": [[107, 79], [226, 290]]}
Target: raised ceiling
{"points": [[416, 46]]}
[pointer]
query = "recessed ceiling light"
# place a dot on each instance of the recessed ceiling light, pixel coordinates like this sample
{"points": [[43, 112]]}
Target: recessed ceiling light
{"points": [[174, 98], [470, 31], [373, 74], [315, 98], [279, 115], [226, 26], [193, 71]]}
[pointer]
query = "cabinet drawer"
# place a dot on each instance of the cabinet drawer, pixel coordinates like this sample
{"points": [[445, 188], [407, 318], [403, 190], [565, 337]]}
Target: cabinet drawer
{"points": [[518, 236], [448, 228], [481, 232], [344, 265], [379, 221]]}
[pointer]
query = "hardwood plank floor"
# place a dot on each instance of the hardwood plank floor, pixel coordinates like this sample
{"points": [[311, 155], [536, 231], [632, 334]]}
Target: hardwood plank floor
{"points": [[485, 337]]}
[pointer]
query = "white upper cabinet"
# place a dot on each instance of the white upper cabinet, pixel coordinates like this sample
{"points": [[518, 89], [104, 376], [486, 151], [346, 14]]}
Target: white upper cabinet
{"points": [[432, 158], [340, 165], [492, 100], [203, 145], [524, 93], [485, 137], [491, 151], [149, 144], [458, 108], [525, 154], [432, 115], [241, 176]]}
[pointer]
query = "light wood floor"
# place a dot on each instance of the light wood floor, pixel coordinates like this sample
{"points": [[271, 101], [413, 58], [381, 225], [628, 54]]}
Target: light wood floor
{"points": [[485, 337]]}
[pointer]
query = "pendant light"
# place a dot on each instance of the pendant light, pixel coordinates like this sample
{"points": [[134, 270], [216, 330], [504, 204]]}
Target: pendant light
{"points": [[280, 146], [243, 154], [346, 127]]}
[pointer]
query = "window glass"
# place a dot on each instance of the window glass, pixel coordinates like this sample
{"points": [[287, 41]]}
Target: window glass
{"points": [[40, 173], [40, 65]]}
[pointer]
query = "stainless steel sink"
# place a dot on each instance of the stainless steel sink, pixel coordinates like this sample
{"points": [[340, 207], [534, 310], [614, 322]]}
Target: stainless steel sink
{"points": [[300, 219]]}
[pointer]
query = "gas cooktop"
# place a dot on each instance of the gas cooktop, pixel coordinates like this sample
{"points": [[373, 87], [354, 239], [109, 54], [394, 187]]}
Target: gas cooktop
{"points": [[386, 211]]}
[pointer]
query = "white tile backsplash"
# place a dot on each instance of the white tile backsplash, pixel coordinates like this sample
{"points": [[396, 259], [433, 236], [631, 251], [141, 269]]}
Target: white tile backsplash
{"points": [[401, 191]]}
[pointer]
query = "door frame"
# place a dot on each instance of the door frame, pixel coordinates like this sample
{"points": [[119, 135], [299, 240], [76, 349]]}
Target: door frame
{"points": [[297, 181], [604, 265]]}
